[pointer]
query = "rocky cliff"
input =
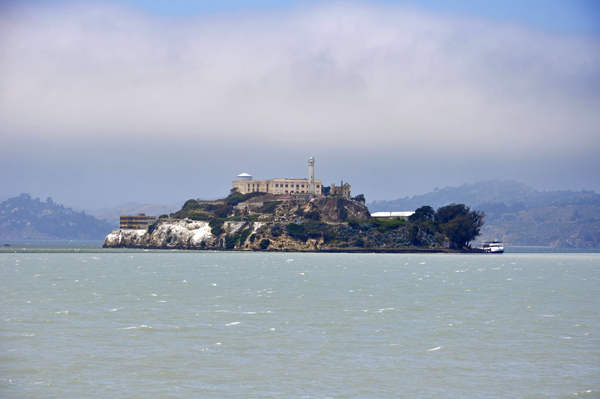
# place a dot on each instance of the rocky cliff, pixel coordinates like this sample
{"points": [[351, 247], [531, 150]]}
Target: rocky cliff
{"points": [[265, 223]]}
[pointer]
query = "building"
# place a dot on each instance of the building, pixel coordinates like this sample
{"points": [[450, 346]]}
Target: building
{"points": [[310, 186], [139, 222], [277, 186], [391, 215], [343, 190]]}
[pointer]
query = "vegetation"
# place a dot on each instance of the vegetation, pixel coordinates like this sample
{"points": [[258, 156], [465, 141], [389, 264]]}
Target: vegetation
{"points": [[269, 206], [456, 223], [311, 229], [460, 224], [24, 217]]}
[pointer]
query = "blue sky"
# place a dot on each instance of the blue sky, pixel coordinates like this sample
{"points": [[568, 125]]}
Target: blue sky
{"points": [[103, 103], [578, 16]]}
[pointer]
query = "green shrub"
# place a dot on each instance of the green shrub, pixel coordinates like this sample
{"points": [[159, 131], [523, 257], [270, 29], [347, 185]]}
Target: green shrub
{"points": [[235, 199], [222, 211], [216, 226], [264, 244], [230, 241], [244, 235], [269, 207], [314, 215], [384, 225], [296, 231], [276, 230], [199, 216]]}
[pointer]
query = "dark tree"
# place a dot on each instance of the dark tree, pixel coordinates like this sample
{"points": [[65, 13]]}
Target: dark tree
{"points": [[423, 213], [459, 224]]}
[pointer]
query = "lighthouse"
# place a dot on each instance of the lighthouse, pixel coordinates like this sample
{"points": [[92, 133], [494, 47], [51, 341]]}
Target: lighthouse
{"points": [[311, 175]]}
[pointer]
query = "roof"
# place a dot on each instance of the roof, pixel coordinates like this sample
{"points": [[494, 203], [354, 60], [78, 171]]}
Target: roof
{"points": [[244, 174], [391, 214]]}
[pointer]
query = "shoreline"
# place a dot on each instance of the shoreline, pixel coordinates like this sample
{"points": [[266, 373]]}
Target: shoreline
{"points": [[324, 250]]}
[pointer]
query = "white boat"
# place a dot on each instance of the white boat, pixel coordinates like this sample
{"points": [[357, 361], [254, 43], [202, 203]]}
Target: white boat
{"points": [[493, 247]]}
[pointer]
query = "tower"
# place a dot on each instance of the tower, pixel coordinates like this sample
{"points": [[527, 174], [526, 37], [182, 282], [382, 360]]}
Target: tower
{"points": [[311, 175]]}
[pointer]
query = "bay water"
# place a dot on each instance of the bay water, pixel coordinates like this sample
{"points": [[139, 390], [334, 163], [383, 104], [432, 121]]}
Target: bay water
{"points": [[93, 323]]}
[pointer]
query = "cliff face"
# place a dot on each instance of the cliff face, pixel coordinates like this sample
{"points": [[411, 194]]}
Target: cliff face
{"points": [[189, 234], [253, 227], [185, 234]]}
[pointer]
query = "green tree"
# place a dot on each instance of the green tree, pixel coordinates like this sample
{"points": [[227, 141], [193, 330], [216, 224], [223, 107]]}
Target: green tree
{"points": [[423, 213], [460, 224]]}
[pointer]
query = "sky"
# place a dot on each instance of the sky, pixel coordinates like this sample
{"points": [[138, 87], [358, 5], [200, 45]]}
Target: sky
{"points": [[110, 102]]}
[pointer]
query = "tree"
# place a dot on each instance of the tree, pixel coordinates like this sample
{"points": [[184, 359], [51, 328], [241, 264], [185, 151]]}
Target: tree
{"points": [[459, 224], [423, 213]]}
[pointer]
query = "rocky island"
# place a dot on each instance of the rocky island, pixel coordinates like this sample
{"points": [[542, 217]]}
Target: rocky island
{"points": [[265, 222]]}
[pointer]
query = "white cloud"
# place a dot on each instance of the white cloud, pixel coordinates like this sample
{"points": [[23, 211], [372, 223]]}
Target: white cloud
{"points": [[340, 76]]}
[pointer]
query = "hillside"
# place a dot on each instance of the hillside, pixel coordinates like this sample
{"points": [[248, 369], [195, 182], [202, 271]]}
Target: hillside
{"points": [[25, 218], [517, 214], [259, 221]]}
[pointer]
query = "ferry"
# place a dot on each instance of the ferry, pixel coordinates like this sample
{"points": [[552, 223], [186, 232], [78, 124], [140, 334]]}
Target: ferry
{"points": [[493, 247]]}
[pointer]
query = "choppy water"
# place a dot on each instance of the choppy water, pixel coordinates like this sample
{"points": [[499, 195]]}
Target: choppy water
{"points": [[134, 324]]}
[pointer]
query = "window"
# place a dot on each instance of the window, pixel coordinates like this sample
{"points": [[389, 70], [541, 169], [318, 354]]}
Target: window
{"points": [[276, 185], [303, 187], [318, 186], [286, 186]]}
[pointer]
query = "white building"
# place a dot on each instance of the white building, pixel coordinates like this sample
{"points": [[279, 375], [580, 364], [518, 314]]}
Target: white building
{"points": [[391, 215]]}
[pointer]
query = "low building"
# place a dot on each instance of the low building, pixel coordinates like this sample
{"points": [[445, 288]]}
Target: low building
{"points": [[342, 190], [391, 215], [139, 222], [276, 186]]}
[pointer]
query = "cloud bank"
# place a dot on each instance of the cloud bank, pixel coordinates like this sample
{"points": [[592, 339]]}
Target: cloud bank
{"points": [[376, 80]]}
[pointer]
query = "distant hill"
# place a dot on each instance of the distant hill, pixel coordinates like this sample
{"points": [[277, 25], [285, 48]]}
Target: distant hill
{"points": [[112, 215], [489, 193], [25, 218], [517, 214]]}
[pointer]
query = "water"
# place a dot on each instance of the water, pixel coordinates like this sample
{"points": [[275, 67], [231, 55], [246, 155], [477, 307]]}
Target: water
{"points": [[160, 324]]}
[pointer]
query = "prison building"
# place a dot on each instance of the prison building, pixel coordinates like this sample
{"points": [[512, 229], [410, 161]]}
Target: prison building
{"points": [[139, 222], [311, 187], [244, 184]]}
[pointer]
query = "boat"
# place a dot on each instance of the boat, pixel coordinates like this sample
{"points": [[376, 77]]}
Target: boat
{"points": [[492, 247]]}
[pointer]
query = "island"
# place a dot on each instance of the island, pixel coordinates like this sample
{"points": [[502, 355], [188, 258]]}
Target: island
{"points": [[259, 221]]}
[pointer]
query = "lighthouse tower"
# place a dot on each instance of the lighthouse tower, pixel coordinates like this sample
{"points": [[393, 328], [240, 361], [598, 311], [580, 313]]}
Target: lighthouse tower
{"points": [[311, 175]]}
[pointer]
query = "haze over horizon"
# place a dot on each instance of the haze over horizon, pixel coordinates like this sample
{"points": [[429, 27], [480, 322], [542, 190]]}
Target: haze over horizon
{"points": [[103, 103]]}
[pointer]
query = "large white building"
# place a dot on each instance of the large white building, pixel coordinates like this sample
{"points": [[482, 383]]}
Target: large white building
{"points": [[245, 184]]}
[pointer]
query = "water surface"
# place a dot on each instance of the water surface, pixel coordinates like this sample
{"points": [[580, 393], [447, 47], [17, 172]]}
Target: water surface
{"points": [[161, 324]]}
